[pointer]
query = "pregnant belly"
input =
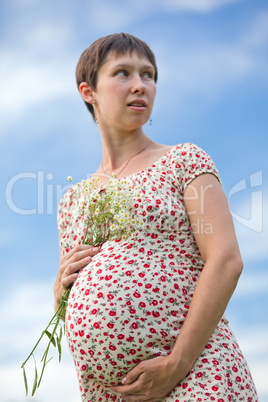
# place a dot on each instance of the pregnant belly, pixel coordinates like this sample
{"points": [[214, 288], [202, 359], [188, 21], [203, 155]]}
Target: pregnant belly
{"points": [[120, 314]]}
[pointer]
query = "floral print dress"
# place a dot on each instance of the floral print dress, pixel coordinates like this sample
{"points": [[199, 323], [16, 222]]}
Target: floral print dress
{"points": [[131, 301]]}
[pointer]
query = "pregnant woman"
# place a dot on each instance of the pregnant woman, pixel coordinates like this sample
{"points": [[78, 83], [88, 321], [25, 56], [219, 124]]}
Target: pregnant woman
{"points": [[145, 318]]}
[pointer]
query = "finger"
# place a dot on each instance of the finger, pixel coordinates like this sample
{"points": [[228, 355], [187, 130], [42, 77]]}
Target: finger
{"points": [[79, 259], [76, 266], [80, 251], [68, 280], [133, 375], [132, 390], [128, 387], [91, 250]]}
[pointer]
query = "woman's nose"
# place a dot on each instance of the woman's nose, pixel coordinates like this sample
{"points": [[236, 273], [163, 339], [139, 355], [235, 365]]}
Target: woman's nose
{"points": [[137, 85]]}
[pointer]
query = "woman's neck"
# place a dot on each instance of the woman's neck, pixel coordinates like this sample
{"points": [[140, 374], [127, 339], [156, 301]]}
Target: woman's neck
{"points": [[119, 147]]}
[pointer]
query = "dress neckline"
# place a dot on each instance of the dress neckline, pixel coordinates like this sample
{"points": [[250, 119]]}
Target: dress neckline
{"points": [[142, 170], [152, 165]]}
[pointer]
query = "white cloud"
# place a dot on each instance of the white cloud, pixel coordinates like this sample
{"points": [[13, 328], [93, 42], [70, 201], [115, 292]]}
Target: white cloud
{"points": [[209, 68], [111, 17], [198, 5], [43, 68], [45, 37], [27, 82], [29, 308], [25, 3], [257, 34], [253, 245], [252, 283], [258, 348], [259, 372], [25, 313], [253, 214], [35, 71], [254, 345], [202, 68], [58, 384]]}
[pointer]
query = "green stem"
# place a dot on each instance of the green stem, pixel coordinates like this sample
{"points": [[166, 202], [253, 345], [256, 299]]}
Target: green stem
{"points": [[41, 336], [57, 316], [44, 357]]}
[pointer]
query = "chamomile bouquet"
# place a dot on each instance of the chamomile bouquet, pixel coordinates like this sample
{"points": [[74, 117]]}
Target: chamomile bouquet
{"points": [[106, 213]]}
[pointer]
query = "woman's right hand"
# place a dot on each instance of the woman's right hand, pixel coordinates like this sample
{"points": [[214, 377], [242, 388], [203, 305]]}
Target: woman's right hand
{"points": [[70, 264]]}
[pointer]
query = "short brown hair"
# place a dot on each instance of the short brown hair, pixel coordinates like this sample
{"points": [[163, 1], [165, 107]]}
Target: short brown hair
{"points": [[96, 54]]}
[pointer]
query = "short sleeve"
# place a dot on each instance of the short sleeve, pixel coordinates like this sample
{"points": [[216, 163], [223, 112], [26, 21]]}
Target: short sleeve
{"points": [[64, 210], [190, 161]]}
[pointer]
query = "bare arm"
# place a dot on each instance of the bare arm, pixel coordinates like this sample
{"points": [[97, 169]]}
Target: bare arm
{"points": [[223, 265], [155, 378]]}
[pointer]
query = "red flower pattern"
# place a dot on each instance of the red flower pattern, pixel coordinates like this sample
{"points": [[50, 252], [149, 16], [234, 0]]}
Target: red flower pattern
{"points": [[130, 302]]}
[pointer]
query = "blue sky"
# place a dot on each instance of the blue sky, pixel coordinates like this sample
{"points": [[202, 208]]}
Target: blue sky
{"points": [[212, 57]]}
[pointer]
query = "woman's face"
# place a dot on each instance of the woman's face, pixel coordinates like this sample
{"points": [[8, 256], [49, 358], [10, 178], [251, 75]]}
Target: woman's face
{"points": [[125, 91]]}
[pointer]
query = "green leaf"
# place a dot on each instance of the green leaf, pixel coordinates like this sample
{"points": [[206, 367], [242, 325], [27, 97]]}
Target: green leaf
{"points": [[51, 338], [25, 380], [35, 381], [60, 336]]}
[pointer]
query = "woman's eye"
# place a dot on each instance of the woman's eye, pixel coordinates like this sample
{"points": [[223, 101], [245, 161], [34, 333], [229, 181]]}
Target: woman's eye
{"points": [[147, 74], [122, 73]]}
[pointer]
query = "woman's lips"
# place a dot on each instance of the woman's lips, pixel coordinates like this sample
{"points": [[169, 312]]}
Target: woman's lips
{"points": [[137, 108], [137, 105]]}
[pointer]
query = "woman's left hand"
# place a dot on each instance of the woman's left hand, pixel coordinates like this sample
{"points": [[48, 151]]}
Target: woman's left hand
{"points": [[150, 380]]}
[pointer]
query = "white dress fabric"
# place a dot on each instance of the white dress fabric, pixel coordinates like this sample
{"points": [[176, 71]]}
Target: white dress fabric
{"points": [[131, 301]]}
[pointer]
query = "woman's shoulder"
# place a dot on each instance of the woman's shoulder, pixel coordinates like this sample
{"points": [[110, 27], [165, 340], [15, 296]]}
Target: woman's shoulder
{"points": [[184, 153], [187, 152], [188, 161], [188, 148], [169, 151]]}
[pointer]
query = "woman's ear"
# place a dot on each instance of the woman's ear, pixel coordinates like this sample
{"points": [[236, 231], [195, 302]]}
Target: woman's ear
{"points": [[86, 92]]}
